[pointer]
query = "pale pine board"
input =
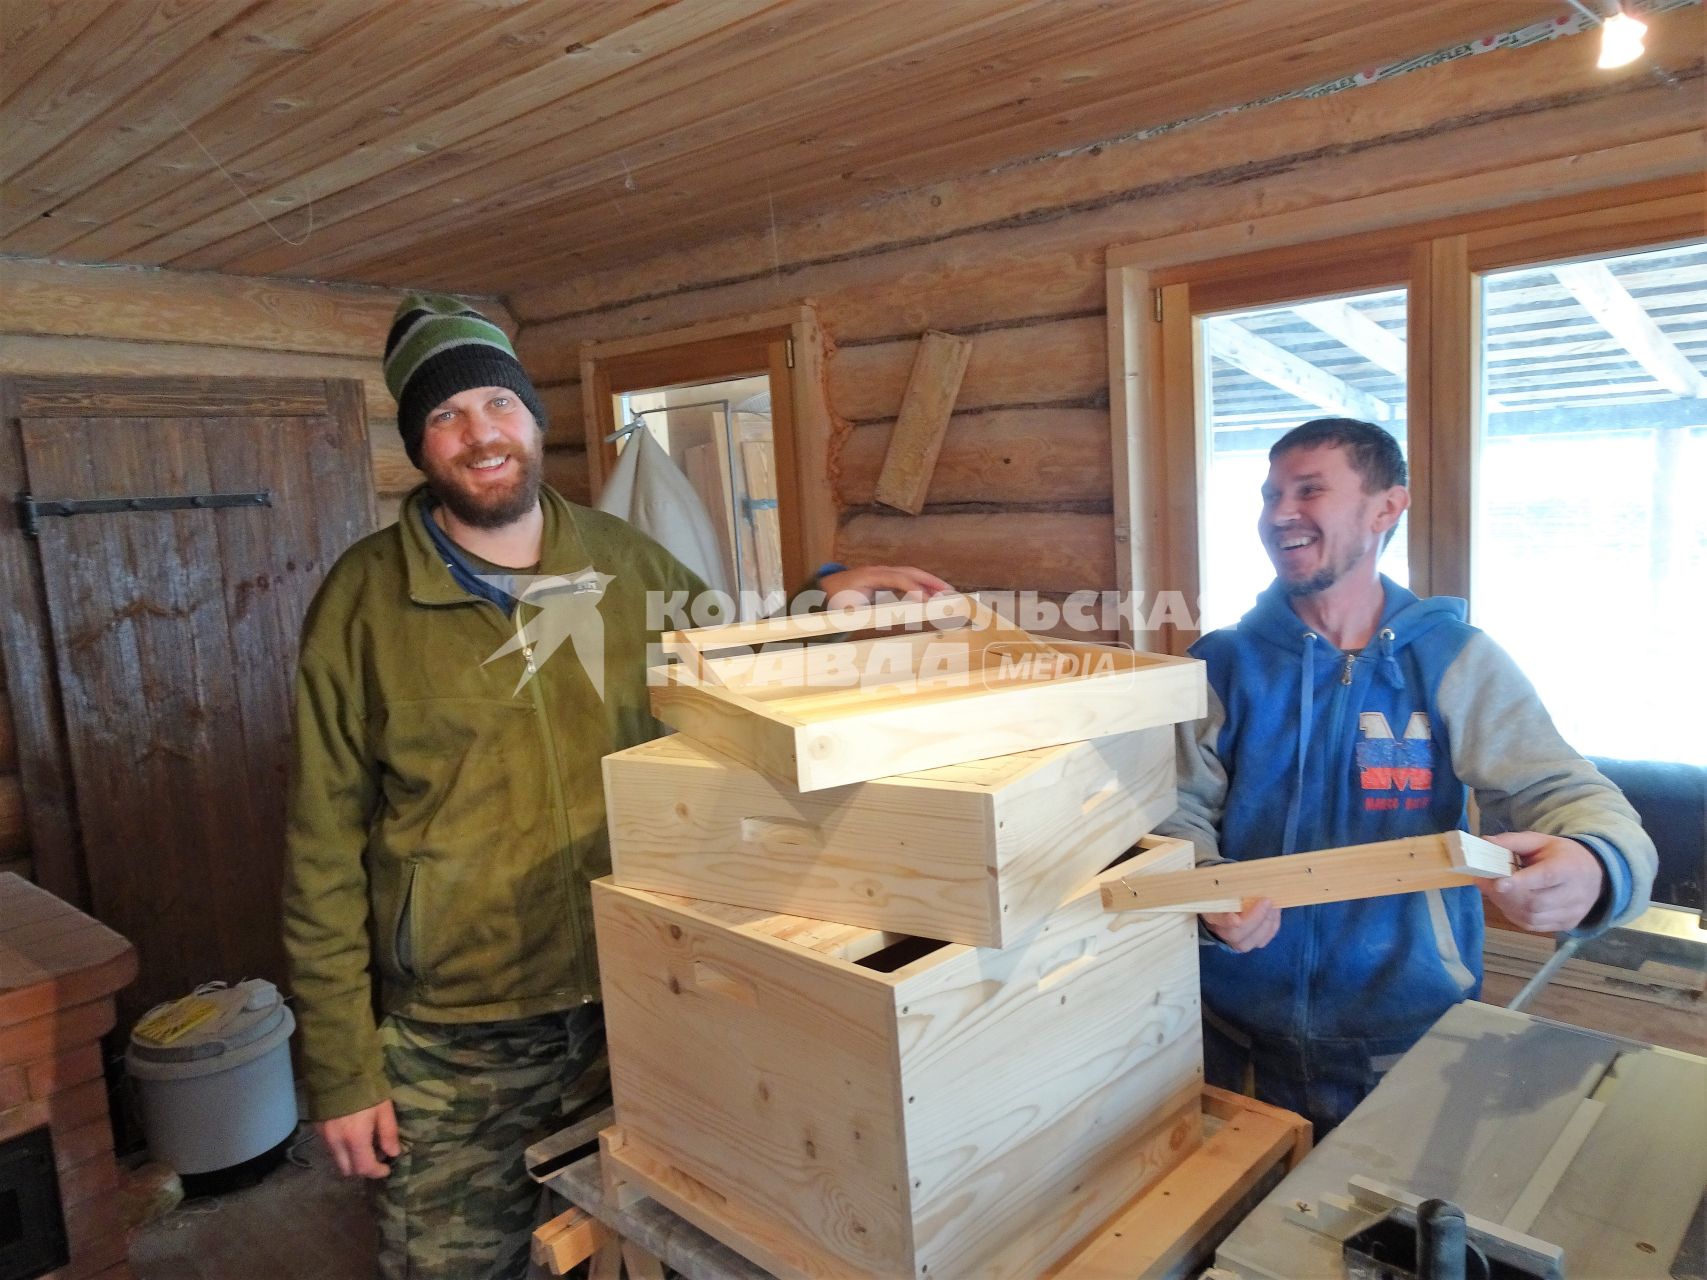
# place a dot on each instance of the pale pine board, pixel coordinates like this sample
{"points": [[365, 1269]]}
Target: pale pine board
{"points": [[1443, 861]]}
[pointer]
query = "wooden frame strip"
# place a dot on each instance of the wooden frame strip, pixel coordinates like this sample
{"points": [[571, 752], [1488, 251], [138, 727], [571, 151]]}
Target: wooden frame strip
{"points": [[1330, 875], [834, 622]]}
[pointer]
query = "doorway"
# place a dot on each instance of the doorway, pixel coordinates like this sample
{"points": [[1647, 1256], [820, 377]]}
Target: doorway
{"points": [[748, 392], [720, 435]]}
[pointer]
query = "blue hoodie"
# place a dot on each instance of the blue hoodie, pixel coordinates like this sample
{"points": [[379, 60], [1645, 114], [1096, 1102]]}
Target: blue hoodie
{"points": [[1306, 747]]}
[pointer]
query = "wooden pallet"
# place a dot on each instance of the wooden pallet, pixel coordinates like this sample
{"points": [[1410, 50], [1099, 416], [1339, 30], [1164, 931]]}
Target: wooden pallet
{"points": [[1169, 1230]]}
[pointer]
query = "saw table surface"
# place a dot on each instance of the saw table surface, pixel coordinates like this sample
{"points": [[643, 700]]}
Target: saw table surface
{"points": [[1590, 1143]]}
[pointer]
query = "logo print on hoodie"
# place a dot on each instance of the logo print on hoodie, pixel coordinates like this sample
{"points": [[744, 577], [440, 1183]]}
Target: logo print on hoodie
{"points": [[1390, 764]]}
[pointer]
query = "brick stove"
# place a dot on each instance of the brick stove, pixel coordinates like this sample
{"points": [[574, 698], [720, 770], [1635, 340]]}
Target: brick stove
{"points": [[59, 972]]}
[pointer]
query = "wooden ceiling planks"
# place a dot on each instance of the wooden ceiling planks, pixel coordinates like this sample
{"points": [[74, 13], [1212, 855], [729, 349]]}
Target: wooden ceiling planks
{"points": [[342, 98], [587, 128], [119, 144], [711, 152], [485, 144], [445, 114], [108, 61], [941, 129], [959, 130], [33, 35]]}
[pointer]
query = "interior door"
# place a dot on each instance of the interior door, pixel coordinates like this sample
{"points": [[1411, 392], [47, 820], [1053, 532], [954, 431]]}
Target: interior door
{"points": [[155, 656]]}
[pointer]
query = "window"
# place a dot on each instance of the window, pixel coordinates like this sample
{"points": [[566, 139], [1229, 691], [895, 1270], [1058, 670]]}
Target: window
{"points": [[1270, 369], [1590, 539], [1545, 368]]}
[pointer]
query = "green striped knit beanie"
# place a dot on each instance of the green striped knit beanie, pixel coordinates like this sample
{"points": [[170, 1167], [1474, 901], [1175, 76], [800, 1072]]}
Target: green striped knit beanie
{"points": [[438, 347]]}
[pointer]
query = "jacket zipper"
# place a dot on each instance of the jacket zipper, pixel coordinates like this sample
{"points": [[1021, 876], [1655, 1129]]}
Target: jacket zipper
{"points": [[1336, 800], [559, 813]]}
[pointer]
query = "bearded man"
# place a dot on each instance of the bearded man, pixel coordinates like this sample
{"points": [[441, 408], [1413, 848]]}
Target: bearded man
{"points": [[1343, 710], [446, 810]]}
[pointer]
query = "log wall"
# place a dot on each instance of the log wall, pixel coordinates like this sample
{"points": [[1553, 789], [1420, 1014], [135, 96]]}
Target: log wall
{"points": [[1014, 259]]}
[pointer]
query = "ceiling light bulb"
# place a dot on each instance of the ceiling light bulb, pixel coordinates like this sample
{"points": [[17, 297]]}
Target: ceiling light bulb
{"points": [[1620, 40]]}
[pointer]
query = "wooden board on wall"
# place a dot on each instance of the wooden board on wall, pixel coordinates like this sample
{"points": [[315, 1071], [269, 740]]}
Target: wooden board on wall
{"points": [[916, 438], [1019, 456]]}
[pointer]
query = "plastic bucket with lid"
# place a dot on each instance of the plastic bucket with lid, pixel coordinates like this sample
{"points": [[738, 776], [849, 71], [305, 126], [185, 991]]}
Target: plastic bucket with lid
{"points": [[213, 1072]]}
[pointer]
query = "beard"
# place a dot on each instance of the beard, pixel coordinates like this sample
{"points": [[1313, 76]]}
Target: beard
{"points": [[1316, 583], [487, 507]]}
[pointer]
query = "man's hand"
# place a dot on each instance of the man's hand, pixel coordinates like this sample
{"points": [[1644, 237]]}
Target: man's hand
{"points": [[1245, 930], [1559, 883], [355, 1140], [859, 586]]}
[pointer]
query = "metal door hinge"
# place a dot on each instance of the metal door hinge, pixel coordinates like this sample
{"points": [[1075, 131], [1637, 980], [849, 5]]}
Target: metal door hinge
{"points": [[1156, 294], [31, 509], [790, 347]]}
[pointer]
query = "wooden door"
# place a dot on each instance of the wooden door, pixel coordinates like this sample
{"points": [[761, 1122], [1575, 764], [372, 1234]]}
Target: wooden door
{"points": [[152, 663]]}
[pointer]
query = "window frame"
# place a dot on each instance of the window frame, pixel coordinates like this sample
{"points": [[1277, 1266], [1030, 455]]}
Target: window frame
{"points": [[1436, 242]]}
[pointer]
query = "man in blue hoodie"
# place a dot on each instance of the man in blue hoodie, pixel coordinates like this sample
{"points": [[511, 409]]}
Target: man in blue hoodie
{"points": [[1342, 710]]}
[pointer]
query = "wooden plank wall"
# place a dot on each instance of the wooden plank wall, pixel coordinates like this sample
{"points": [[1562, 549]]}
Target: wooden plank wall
{"points": [[61, 318], [1021, 497]]}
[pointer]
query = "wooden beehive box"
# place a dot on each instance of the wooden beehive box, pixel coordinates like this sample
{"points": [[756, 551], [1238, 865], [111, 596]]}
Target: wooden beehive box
{"points": [[978, 853], [959, 684], [835, 1101]]}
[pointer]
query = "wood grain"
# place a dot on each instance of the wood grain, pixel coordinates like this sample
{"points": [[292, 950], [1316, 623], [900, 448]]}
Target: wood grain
{"points": [[1017, 456], [1040, 362], [812, 1112], [138, 305], [1446, 861], [14, 826], [1024, 550], [148, 611], [978, 853], [916, 438], [922, 713]]}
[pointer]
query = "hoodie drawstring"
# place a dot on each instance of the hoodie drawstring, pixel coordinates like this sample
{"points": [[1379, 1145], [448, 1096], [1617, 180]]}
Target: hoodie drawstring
{"points": [[1306, 712], [1389, 664]]}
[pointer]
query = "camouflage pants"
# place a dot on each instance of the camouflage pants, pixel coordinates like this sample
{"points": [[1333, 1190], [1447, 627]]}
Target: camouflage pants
{"points": [[470, 1098]]}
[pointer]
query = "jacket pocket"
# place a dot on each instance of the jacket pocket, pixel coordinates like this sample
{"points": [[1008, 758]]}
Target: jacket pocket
{"points": [[1446, 943], [467, 822], [402, 931]]}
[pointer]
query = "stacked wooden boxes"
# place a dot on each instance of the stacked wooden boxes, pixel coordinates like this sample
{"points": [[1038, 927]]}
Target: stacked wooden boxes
{"points": [[864, 1024]]}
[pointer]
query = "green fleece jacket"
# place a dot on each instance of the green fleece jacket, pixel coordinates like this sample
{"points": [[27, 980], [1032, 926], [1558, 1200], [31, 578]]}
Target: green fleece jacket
{"points": [[446, 814]]}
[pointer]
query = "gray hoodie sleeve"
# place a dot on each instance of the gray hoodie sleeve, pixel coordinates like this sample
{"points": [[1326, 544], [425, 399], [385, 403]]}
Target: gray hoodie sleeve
{"points": [[1202, 783], [1527, 778]]}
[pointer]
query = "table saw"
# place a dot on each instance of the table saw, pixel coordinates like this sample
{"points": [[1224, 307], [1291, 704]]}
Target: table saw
{"points": [[1570, 1153]]}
